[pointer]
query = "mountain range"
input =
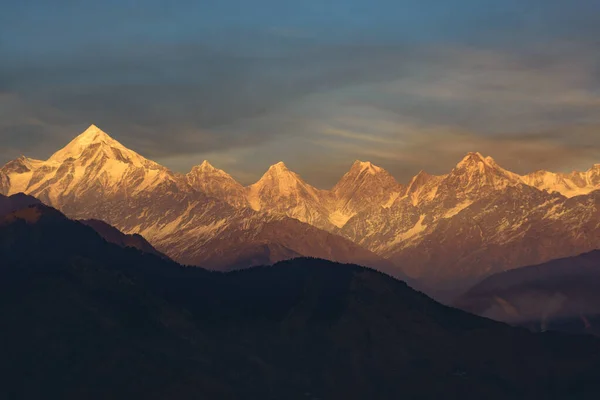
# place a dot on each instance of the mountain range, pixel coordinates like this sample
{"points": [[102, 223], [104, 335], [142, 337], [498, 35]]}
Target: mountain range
{"points": [[90, 319], [447, 231]]}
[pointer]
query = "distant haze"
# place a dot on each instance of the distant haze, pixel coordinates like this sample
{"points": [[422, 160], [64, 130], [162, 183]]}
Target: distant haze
{"points": [[407, 85]]}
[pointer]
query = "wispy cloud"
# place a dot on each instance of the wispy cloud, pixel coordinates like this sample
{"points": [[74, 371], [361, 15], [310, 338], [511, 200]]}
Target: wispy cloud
{"points": [[530, 97]]}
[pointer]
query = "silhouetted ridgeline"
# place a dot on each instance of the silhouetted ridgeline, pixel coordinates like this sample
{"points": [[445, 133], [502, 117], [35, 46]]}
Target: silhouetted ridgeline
{"points": [[86, 319]]}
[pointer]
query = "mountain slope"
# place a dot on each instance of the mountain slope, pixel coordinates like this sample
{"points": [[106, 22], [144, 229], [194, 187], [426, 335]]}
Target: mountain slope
{"points": [[517, 227], [282, 192], [115, 236], [365, 186], [560, 294], [453, 230], [572, 184], [217, 183], [428, 202], [92, 320], [260, 241]]}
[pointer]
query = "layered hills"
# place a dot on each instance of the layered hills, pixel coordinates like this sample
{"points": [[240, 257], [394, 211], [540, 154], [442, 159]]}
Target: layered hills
{"points": [[90, 319], [558, 295]]}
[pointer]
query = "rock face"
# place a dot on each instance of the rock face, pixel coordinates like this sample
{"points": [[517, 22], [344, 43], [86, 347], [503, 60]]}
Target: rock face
{"points": [[192, 218], [364, 187], [448, 231]]}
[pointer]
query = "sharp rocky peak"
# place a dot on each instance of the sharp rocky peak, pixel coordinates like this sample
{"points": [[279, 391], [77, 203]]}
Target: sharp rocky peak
{"points": [[205, 167], [206, 170], [365, 166], [279, 167], [94, 144], [475, 163], [92, 136], [476, 159], [280, 171], [476, 172], [366, 174], [280, 176]]}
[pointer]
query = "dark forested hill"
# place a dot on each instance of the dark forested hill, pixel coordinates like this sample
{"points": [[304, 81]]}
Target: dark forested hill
{"points": [[15, 202], [83, 318]]}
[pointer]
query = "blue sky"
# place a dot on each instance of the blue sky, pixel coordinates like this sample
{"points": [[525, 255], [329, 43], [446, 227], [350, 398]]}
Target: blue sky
{"points": [[409, 85]]}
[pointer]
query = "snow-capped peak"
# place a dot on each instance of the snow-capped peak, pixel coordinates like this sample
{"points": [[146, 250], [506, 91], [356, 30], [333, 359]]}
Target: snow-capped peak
{"points": [[279, 167], [280, 174], [217, 183], [90, 137], [279, 182], [476, 172], [572, 184], [21, 165], [205, 167], [475, 159], [364, 173], [475, 163], [91, 165], [206, 170], [362, 166], [95, 144], [93, 134]]}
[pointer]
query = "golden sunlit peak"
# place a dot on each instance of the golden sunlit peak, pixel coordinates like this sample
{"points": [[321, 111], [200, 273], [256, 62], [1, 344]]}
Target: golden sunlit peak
{"points": [[93, 129], [472, 158], [206, 165], [93, 134], [366, 166], [280, 165]]}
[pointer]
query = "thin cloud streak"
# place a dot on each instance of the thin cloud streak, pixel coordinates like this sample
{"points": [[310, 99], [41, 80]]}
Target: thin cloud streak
{"points": [[405, 105]]}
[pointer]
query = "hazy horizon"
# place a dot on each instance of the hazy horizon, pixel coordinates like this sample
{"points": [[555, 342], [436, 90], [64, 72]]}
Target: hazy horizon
{"points": [[406, 85]]}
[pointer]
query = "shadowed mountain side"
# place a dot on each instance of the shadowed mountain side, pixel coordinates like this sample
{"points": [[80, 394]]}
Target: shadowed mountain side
{"points": [[15, 202], [113, 235], [89, 319], [109, 233], [561, 294], [279, 238]]}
